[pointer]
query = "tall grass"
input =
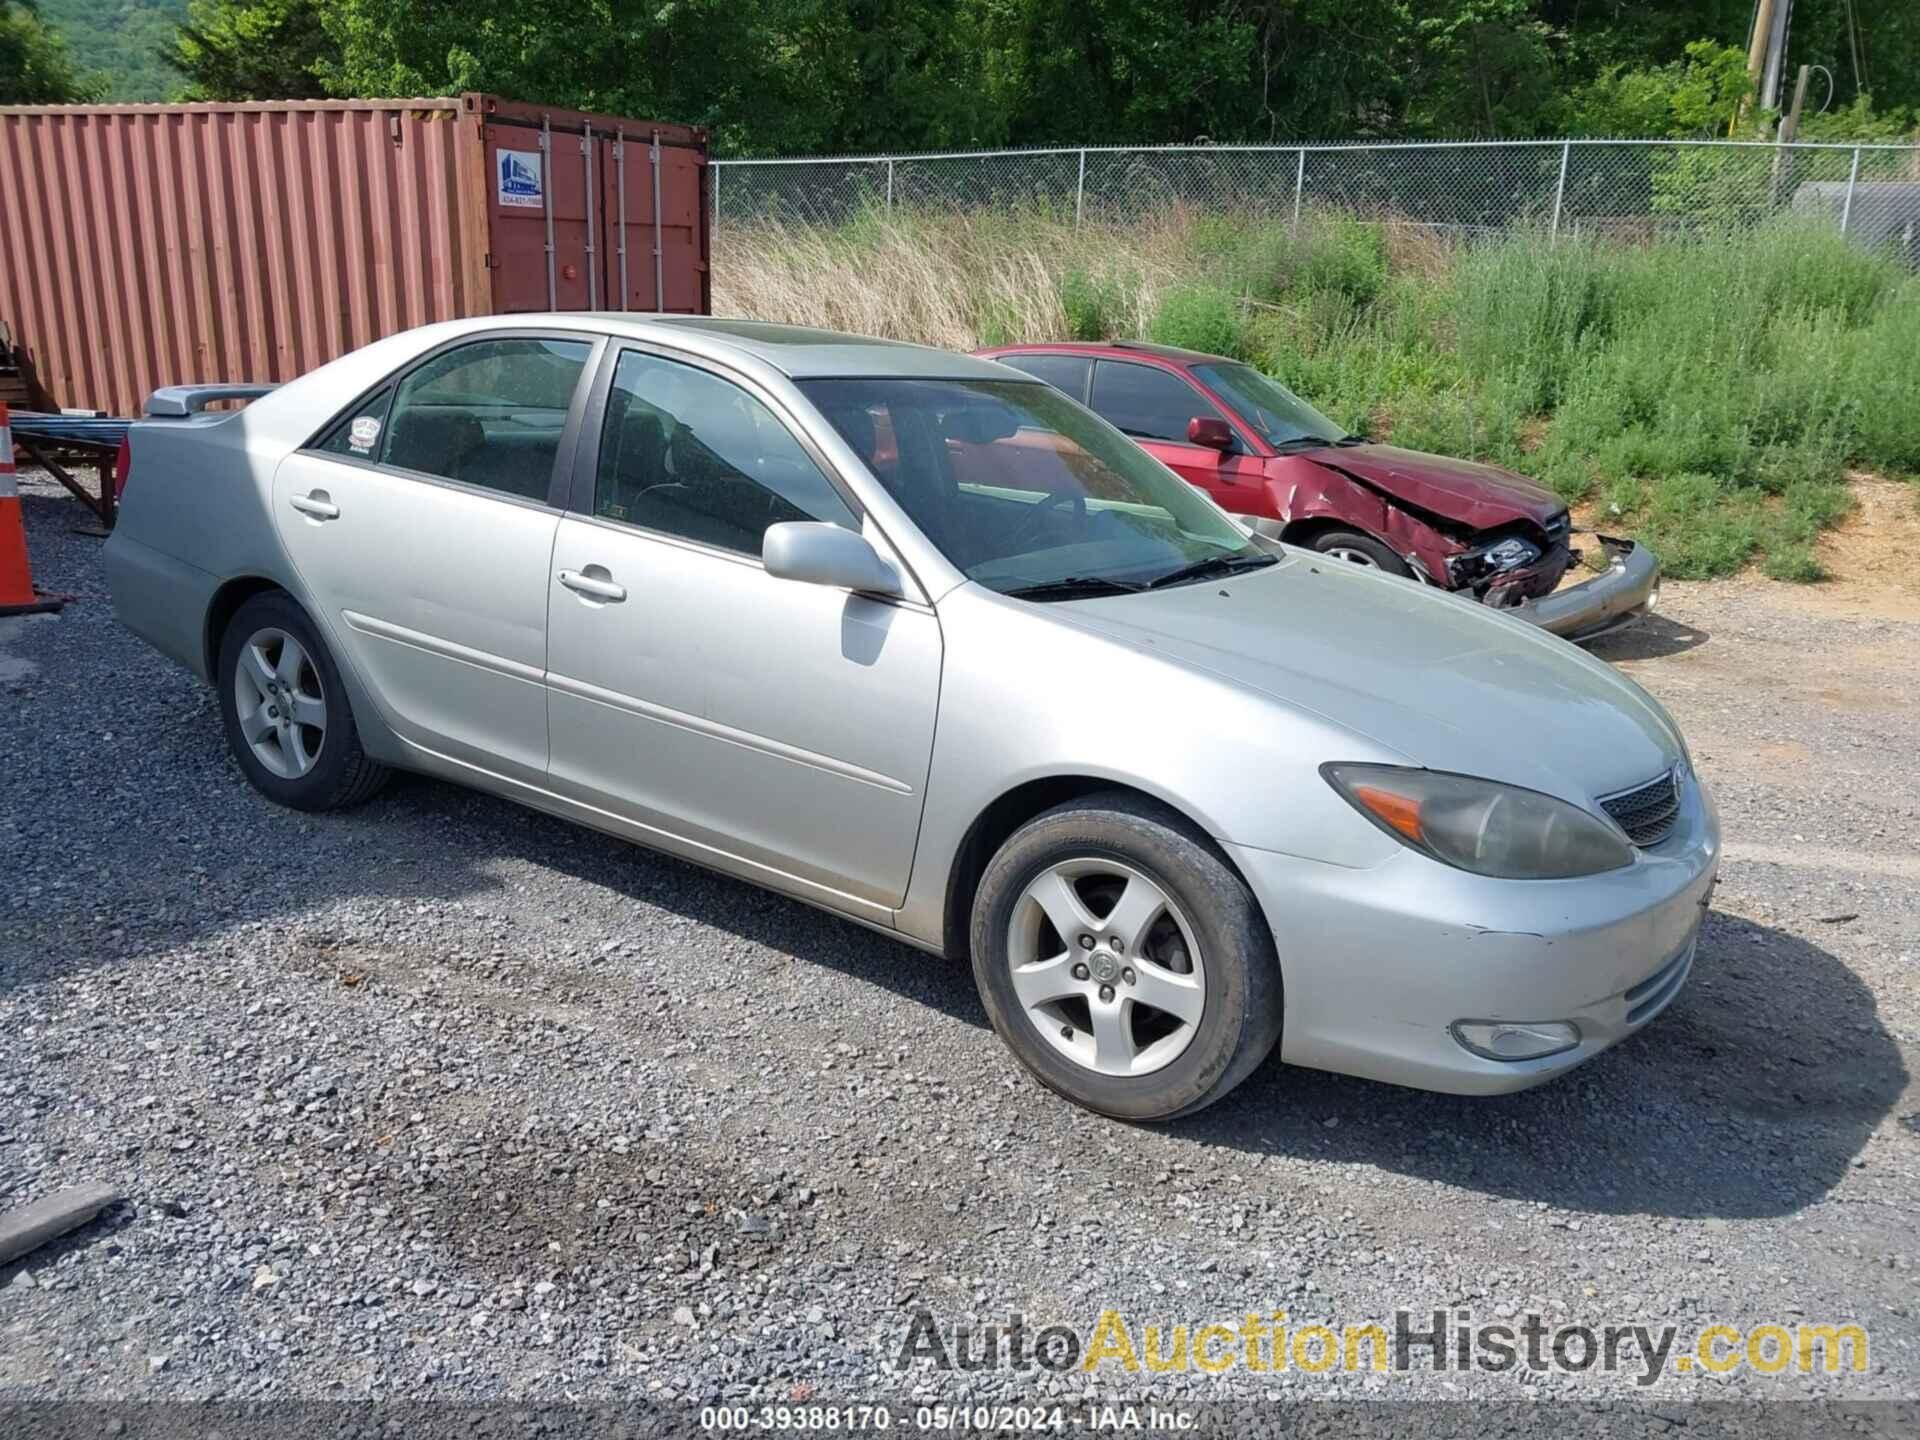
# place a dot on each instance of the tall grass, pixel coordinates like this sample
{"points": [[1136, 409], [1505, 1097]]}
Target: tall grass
{"points": [[1704, 395]]}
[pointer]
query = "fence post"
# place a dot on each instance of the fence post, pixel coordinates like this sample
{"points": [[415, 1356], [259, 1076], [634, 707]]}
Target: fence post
{"points": [[1080, 191], [889, 185], [1853, 179], [714, 168], [1560, 192], [1299, 185]]}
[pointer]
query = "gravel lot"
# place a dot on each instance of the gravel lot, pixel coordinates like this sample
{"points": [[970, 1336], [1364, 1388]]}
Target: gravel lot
{"points": [[445, 1099]]}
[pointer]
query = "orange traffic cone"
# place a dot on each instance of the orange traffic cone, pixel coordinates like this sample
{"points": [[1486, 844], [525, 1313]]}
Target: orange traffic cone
{"points": [[16, 579]]}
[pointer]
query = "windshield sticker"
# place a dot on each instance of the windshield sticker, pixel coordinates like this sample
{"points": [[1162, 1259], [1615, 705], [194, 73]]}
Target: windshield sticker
{"points": [[363, 432], [520, 179]]}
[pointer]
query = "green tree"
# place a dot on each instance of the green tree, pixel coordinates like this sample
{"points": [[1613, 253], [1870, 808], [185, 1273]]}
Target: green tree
{"points": [[1691, 98], [35, 68], [249, 50]]}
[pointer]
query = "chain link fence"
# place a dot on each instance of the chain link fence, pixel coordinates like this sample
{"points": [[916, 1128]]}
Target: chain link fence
{"points": [[1624, 189]]}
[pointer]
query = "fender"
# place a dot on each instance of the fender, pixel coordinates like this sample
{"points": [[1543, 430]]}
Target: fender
{"points": [[1411, 531]]}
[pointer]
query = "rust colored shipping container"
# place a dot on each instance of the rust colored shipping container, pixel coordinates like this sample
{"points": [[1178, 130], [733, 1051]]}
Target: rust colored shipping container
{"points": [[149, 245]]}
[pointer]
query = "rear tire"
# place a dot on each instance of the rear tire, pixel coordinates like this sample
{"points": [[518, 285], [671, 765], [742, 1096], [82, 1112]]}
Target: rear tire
{"points": [[285, 710], [1353, 548], [1165, 995]]}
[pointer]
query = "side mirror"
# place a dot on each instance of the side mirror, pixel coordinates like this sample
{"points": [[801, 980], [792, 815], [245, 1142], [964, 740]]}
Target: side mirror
{"points": [[822, 554], [1210, 431]]}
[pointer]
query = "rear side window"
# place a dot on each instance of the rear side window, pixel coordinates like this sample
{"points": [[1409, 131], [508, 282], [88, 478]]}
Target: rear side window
{"points": [[487, 414], [689, 454], [1063, 372], [1147, 403]]}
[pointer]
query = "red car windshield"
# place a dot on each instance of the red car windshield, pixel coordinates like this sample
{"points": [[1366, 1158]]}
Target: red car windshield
{"points": [[1280, 416]]}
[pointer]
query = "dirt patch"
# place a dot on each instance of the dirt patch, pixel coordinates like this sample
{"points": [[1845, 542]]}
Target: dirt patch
{"points": [[1872, 557]]}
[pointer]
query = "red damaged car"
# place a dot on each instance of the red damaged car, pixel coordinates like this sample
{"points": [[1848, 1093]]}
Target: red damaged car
{"points": [[1266, 455]]}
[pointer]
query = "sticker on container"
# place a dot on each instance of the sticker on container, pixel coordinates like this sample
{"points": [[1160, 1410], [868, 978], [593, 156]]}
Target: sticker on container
{"points": [[520, 179], [362, 433]]}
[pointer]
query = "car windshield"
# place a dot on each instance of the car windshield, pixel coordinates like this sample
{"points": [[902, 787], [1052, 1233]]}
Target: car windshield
{"points": [[1281, 417], [1026, 491]]}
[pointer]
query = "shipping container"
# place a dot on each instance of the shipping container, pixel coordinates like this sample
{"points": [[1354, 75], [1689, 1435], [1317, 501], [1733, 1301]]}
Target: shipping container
{"points": [[148, 245]]}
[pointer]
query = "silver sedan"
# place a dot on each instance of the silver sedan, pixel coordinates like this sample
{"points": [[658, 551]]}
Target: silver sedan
{"points": [[915, 638]]}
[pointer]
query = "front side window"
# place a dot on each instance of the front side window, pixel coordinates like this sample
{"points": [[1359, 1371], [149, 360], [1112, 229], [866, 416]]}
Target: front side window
{"points": [[1280, 416], [1026, 492], [1147, 403], [687, 453], [487, 414]]}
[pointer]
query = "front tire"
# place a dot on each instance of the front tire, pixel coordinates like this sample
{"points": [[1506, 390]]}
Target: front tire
{"points": [[1122, 961], [1353, 548], [285, 710]]}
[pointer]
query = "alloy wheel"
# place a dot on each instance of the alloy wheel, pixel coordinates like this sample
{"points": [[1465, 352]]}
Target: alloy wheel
{"points": [[280, 702], [1352, 556], [1106, 967]]}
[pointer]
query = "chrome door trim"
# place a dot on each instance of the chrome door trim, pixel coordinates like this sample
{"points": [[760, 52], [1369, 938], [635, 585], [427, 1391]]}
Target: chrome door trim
{"points": [[446, 649], [714, 730]]}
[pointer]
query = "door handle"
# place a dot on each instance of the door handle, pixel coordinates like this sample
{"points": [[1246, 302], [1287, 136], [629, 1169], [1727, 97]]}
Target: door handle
{"points": [[316, 505], [599, 587]]}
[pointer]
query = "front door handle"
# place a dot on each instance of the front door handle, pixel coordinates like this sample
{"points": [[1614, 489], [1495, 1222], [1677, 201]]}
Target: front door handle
{"points": [[599, 587], [318, 505]]}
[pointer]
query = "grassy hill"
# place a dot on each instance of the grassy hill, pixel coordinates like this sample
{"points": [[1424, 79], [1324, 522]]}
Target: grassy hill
{"points": [[120, 40]]}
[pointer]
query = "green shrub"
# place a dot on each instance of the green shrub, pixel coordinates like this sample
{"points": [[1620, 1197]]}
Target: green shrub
{"points": [[1095, 307], [1707, 394], [1345, 255], [1198, 317]]}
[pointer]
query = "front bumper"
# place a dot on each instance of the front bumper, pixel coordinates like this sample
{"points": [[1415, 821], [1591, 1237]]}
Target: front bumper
{"points": [[1628, 589], [1376, 963]]}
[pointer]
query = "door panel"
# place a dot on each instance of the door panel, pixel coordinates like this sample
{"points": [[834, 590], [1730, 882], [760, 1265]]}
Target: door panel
{"points": [[790, 725], [1232, 480], [437, 595]]}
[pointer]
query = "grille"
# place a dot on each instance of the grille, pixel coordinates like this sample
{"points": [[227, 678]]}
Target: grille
{"points": [[1648, 812], [1558, 528]]}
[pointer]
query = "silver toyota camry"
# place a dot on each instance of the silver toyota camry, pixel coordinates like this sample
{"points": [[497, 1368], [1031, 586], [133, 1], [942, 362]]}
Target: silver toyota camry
{"points": [[916, 638]]}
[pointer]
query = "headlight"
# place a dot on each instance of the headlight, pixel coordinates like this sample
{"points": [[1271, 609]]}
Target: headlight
{"points": [[1481, 825], [1511, 554], [1495, 559]]}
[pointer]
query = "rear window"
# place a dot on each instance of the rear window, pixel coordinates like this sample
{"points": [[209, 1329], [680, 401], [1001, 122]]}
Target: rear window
{"points": [[1066, 373]]}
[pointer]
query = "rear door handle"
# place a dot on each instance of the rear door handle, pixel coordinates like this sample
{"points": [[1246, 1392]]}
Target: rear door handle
{"points": [[600, 587], [317, 505]]}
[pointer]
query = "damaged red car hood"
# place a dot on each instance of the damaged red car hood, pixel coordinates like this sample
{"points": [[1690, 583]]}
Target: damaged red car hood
{"points": [[1475, 495]]}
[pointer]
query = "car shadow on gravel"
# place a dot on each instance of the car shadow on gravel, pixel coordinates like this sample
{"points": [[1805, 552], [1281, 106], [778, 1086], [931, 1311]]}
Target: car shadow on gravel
{"points": [[1653, 637], [1751, 1096]]}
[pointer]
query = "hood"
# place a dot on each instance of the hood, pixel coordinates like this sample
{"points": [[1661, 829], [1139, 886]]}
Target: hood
{"points": [[1479, 496], [1444, 682]]}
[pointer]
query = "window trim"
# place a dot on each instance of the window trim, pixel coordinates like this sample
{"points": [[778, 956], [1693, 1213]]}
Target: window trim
{"points": [[597, 343], [579, 498], [1240, 447]]}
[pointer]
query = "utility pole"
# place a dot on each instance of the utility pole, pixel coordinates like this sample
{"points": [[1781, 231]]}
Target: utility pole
{"points": [[1789, 128], [1756, 56], [1776, 54]]}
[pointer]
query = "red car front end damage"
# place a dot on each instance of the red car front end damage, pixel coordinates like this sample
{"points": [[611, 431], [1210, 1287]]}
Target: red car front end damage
{"points": [[1290, 473]]}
